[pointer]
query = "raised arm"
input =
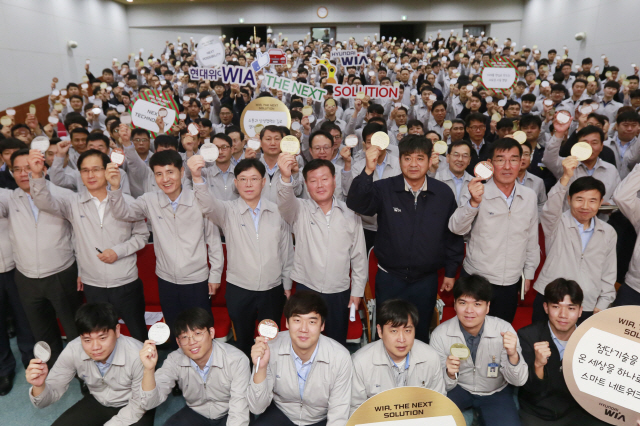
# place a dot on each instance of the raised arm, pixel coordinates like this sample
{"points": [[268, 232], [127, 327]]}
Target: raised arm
{"points": [[288, 204], [625, 197], [42, 197], [120, 209], [363, 197]]}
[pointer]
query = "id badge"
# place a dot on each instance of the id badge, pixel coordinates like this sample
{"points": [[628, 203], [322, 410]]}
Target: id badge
{"points": [[492, 370]]}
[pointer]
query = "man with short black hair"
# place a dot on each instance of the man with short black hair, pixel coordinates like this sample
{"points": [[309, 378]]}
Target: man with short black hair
{"points": [[495, 359], [105, 247], [592, 166], [78, 138], [329, 241], [397, 359], [46, 270], [183, 238], [108, 362], [580, 246], [412, 242], [255, 230], [454, 173], [502, 219], [624, 142], [218, 175], [303, 377], [545, 399], [222, 369]]}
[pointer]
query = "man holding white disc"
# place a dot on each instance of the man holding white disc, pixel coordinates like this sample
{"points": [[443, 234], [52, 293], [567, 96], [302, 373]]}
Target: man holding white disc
{"points": [[108, 362], [213, 376]]}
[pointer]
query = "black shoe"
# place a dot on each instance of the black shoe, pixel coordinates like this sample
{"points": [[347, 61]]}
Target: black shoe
{"points": [[83, 387], [6, 384], [176, 391]]}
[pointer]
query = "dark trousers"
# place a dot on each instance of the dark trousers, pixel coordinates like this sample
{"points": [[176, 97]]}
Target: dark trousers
{"points": [[89, 412], [128, 300], [422, 293], [576, 417], [337, 324], [44, 299], [498, 409], [627, 296], [540, 315], [247, 306], [272, 416], [369, 239], [504, 299], [187, 417], [9, 300], [175, 298]]}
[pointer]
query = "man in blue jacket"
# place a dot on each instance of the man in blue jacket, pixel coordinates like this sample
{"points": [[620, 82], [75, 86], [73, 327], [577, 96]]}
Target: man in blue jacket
{"points": [[413, 239]]}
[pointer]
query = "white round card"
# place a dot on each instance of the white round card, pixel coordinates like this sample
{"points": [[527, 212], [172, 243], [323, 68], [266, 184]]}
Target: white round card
{"points": [[209, 152], [42, 351], [159, 333], [351, 141], [380, 139], [582, 151], [41, 143], [483, 170]]}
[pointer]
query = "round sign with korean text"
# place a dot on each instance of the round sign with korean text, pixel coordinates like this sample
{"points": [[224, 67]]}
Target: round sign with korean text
{"points": [[601, 365]]}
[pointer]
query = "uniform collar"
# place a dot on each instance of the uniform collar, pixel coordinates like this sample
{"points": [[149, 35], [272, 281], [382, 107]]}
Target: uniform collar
{"points": [[185, 198], [323, 348]]}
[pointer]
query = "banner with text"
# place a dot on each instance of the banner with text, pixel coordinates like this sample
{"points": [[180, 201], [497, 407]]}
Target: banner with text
{"points": [[374, 92], [145, 110], [226, 73], [294, 87]]}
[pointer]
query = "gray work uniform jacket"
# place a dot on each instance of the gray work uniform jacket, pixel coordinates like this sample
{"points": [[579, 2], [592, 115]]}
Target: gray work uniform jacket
{"points": [[327, 248], [327, 390], [223, 392], [372, 372], [594, 269], [40, 248], [503, 241], [256, 260], [119, 388], [124, 238], [183, 240], [473, 377]]}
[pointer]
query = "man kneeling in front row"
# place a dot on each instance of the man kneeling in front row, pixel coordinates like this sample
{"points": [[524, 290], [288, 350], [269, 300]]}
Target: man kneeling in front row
{"points": [[545, 399], [397, 359], [109, 364], [482, 380], [213, 376], [304, 377]]}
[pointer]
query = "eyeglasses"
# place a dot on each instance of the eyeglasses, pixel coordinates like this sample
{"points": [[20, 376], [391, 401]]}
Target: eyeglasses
{"points": [[244, 180], [526, 155], [337, 138], [21, 169], [95, 170], [223, 148], [198, 336], [321, 148], [140, 140], [501, 161], [457, 156]]}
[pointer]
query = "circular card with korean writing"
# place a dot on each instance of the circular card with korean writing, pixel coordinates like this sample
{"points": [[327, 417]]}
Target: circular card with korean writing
{"points": [[41, 143], [582, 151], [117, 156], [42, 351], [601, 365], [159, 333], [380, 139], [209, 152], [268, 328], [440, 147], [460, 351], [290, 145], [351, 141], [520, 136], [484, 170]]}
